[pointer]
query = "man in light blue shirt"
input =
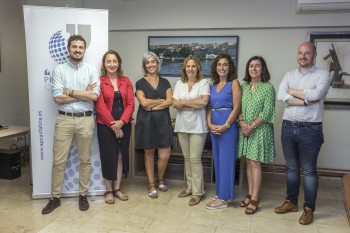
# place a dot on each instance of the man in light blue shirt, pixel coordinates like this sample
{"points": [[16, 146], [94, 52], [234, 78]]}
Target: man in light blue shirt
{"points": [[303, 91], [75, 85]]}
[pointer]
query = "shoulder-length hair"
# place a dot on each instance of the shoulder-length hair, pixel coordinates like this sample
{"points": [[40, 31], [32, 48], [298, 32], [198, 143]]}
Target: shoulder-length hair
{"points": [[199, 76], [145, 58], [103, 67], [232, 74], [265, 74]]}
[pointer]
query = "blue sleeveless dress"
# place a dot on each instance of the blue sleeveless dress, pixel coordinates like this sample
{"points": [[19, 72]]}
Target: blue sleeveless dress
{"points": [[223, 146]]}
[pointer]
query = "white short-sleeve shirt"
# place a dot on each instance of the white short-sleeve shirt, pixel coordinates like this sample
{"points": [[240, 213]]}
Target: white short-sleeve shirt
{"points": [[191, 121]]}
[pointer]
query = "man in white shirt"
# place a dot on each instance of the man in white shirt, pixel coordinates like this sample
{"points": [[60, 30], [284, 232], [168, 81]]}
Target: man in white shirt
{"points": [[303, 91]]}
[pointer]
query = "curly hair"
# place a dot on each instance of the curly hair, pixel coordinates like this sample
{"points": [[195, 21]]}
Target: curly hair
{"points": [[265, 74], [232, 74]]}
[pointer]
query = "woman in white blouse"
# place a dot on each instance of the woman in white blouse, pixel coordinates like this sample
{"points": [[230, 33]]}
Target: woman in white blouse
{"points": [[190, 97]]}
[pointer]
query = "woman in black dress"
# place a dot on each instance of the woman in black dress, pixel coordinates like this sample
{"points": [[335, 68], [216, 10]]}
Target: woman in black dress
{"points": [[153, 125], [114, 109]]}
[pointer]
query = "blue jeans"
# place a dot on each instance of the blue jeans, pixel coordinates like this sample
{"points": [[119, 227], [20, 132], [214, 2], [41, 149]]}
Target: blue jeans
{"points": [[301, 146]]}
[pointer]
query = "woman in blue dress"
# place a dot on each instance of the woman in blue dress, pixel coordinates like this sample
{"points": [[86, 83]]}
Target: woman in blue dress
{"points": [[223, 108]]}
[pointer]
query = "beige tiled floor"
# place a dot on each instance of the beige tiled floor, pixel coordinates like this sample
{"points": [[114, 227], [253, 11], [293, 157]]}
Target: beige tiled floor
{"points": [[168, 213]]}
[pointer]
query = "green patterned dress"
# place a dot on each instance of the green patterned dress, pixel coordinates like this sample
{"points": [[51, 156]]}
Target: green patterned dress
{"points": [[259, 146]]}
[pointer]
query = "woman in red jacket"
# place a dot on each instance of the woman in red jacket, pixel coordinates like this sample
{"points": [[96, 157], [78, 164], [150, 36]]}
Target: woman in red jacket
{"points": [[114, 109]]}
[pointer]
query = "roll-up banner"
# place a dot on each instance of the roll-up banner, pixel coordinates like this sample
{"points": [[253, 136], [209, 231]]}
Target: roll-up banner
{"points": [[47, 30]]}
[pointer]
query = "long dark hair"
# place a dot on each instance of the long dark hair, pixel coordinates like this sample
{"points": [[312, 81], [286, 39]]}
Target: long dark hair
{"points": [[265, 74], [232, 74]]}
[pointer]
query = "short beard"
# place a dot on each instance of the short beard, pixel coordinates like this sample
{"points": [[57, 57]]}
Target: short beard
{"points": [[76, 59]]}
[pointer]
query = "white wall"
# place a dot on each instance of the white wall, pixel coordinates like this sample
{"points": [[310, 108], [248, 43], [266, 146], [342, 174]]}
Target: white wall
{"points": [[269, 28], [14, 104], [278, 47]]}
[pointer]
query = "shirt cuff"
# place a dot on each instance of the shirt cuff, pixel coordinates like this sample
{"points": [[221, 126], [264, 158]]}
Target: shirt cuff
{"points": [[305, 93]]}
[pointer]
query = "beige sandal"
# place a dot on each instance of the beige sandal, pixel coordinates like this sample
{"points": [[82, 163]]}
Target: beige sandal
{"points": [[107, 200], [216, 204], [121, 195]]}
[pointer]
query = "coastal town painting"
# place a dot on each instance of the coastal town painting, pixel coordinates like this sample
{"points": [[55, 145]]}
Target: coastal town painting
{"points": [[172, 51]]}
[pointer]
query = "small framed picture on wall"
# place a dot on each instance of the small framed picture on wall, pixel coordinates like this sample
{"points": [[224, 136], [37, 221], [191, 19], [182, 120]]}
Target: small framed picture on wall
{"points": [[333, 54]]}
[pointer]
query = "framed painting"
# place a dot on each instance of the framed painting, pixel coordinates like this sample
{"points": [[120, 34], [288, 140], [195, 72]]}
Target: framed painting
{"points": [[172, 51], [333, 54]]}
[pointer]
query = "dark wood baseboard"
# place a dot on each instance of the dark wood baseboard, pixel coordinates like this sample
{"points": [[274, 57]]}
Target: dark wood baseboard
{"points": [[325, 172], [346, 195]]}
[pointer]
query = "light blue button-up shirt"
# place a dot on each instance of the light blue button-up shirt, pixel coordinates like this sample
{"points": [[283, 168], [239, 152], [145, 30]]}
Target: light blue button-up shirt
{"points": [[315, 83], [65, 76]]}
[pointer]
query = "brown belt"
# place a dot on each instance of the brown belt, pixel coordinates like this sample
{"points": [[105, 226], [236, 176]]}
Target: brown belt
{"points": [[76, 114]]}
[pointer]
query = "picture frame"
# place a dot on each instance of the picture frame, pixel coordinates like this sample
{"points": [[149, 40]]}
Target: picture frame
{"points": [[172, 51], [333, 54]]}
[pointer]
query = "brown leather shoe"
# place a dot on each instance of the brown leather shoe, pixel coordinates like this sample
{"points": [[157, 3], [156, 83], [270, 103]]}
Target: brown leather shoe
{"points": [[83, 203], [53, 204], [194, 200], [307, 216], [286, 208], [185, 193]]}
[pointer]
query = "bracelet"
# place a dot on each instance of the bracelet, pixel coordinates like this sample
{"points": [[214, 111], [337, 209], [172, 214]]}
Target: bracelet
{"points": [[72, 92], [254, 125], [227, 125]]}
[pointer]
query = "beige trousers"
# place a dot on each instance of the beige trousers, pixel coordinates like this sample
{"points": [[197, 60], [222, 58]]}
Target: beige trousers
{"points": [[66, 127], [192, 149]]}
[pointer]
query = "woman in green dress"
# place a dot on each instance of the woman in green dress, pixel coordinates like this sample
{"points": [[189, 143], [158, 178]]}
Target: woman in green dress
{"points": [[256, 138]]}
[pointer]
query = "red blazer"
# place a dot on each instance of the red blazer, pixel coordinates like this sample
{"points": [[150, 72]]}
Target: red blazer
{"points": [[104, 102]]}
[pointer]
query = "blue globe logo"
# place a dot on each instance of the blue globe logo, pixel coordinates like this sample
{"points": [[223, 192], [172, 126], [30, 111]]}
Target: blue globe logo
{"points": [[58, 48]]}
